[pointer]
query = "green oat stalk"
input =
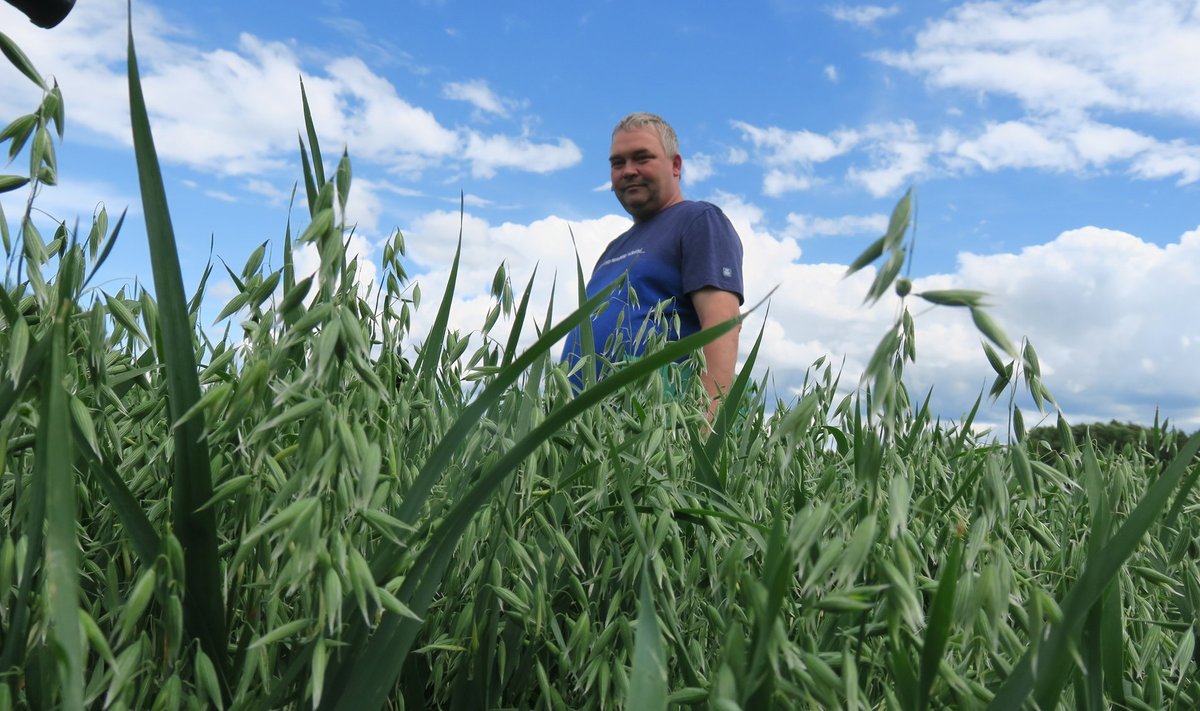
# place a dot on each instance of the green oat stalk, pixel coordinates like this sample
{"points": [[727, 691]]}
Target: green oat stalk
{"points": [[192, 485]]}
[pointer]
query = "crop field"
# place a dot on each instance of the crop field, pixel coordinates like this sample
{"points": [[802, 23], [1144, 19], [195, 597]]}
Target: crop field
{"points": [[318, 508]]}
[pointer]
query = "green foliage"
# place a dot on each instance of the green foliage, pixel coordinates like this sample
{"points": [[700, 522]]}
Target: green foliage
{"points": [[342, 513]]}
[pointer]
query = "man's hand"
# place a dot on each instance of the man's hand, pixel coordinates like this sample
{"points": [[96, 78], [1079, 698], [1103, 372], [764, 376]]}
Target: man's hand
{"points": [[714, 306]]}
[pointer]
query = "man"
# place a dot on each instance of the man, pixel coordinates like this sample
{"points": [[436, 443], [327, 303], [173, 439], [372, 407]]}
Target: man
{"points": [[680, 251]]}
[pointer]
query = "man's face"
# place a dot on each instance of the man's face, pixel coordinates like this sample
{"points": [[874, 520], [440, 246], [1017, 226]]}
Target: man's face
{"points": [[644, 178]]}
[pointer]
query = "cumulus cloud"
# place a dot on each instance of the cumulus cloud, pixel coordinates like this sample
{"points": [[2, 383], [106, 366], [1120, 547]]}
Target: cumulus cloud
{"points": [[1075, 70], [235, 111], [477, 93], [736, 156], [698, 168], [1167, 160], [1015, 144], [1110, 315], [885, 155], [778, 182], [805, 226], [220, 195], [863, 15], [779, 146], [1058, 145], [1061, 54], [266, 189], [897, 153], [488, 154]]}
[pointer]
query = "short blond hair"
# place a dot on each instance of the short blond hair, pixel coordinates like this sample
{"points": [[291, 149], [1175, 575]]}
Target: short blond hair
{"points": [[666, 134]]}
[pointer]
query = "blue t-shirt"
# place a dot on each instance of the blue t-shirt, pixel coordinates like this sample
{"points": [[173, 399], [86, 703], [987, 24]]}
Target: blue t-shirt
{"points": [[686, 247]]}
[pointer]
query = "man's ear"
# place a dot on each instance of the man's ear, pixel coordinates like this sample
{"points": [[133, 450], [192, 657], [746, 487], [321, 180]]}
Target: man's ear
{"points": [[677, 165]]}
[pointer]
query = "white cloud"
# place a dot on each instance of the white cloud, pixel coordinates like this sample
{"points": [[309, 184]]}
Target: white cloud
{"points": [[884, 157], [1058, 55], [365, 111], [1096, 303], [805, 226], [1015, 144], [783, 147], [1065, 62], [736, 156], [1098, 144], [894, 152], [777, 182], [1059, 145], [475, 201], [489, 154], [1166, 160], [864, 15], [831, 73], [267, 190], [477, 93], [235, 111], [698, 168], [401, 190], [898, 154]]}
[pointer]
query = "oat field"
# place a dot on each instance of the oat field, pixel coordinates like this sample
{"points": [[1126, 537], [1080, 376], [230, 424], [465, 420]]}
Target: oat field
{"points": [[319, 508]]}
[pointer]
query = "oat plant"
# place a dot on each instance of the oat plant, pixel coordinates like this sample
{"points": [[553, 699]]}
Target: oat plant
{"points": [[306, 505]]}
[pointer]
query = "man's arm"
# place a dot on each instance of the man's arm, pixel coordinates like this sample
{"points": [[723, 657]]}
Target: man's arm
{"points": [[714, 306]]}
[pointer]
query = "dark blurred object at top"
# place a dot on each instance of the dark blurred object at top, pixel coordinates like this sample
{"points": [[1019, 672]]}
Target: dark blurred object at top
{"points": [[44, 13]]}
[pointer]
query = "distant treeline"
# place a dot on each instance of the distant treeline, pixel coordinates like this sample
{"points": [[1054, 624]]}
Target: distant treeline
{"points": [[1161, 441]]}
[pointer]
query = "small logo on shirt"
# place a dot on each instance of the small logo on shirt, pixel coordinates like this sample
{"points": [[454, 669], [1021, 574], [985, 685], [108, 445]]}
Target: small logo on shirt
{"points": [[726, 272], [619, 257]]}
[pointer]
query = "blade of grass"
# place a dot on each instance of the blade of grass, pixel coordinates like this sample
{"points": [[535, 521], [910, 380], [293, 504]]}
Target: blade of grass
{"points": [[587, 343], [310, 185], [61, 556], [1112, 644], [431, 350], [317, 164], [648, 674], [938, 630], [204, 612]]}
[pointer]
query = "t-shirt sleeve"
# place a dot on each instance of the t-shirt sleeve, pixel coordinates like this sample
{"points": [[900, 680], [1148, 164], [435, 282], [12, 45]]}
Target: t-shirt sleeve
{"points": [[712, 254]]}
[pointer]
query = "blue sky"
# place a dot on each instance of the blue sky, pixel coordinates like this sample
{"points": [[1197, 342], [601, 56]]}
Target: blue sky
{"points": [[1052, 145]]}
